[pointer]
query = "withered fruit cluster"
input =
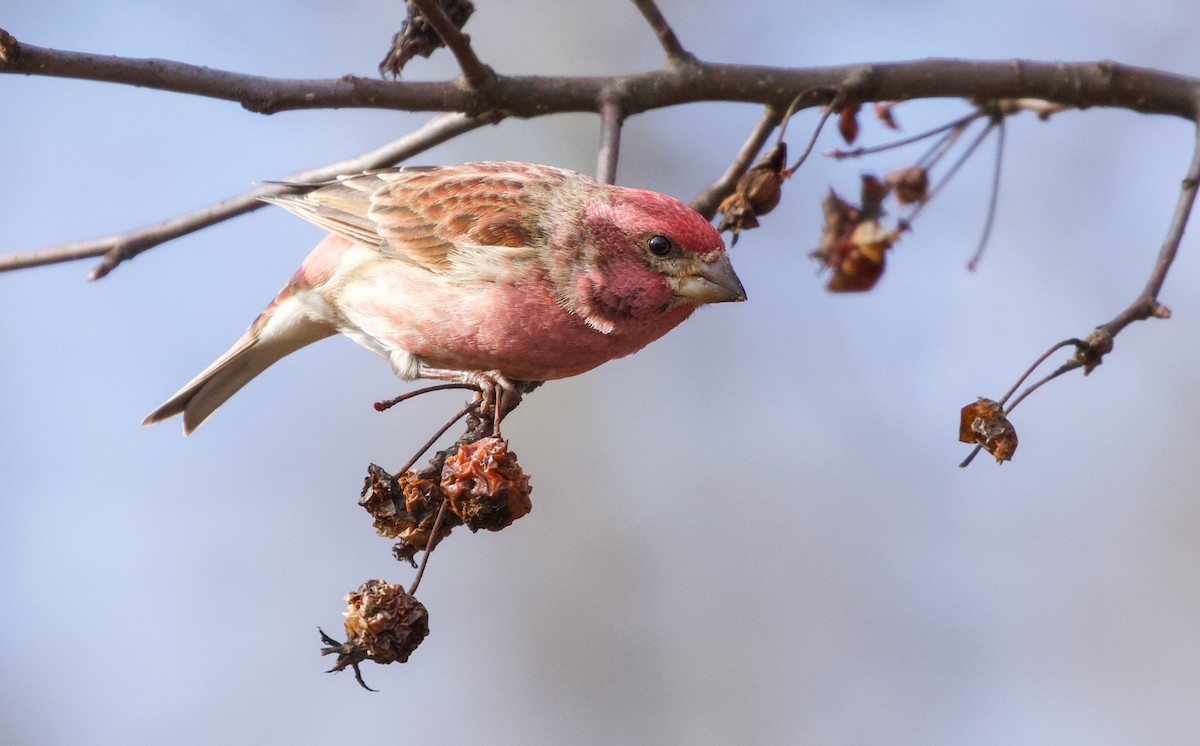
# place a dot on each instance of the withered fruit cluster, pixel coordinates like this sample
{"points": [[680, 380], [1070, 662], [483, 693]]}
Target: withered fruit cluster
{"points": [[477, 483], [854, 243], [383, 624]]}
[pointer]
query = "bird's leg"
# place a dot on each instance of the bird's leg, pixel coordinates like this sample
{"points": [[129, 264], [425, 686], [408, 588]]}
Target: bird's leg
{"points": [[495, 389]]}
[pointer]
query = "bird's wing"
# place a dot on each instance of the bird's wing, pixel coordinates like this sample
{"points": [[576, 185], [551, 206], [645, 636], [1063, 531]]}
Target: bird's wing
{"points": [[433, 217]]}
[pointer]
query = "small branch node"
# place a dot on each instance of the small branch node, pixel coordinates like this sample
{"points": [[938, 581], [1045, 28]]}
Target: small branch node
{"points": [[1091, 353]]}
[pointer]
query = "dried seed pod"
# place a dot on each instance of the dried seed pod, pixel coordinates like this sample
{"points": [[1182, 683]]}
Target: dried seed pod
{"points": [[853, 242], [417, 37], [984, 422], [758, 192], [485, 485]]}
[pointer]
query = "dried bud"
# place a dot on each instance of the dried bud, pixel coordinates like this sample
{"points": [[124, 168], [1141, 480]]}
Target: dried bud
{"points": [[883, 112], [848, 122], [758, 192], [417, 37], [485, 485], [984, 423], [383, 624], [910, 184]]}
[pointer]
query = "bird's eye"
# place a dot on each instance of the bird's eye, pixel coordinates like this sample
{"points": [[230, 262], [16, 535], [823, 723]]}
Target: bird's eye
{"points": [[659, 245]]}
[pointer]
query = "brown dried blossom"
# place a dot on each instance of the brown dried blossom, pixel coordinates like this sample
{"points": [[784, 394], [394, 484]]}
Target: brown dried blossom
{"points": [[984, 422], [485, 485], [383, 624], [404, 507], [417, 37], [853, 242]]}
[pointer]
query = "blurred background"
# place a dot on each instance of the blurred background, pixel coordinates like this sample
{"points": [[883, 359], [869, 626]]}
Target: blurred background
{"points": [[755, 531]]}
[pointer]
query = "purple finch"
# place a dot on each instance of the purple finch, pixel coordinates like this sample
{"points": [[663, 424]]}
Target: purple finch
{"points": [[482, 273]]}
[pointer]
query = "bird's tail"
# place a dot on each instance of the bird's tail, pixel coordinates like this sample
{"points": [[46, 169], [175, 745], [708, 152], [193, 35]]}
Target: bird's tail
{"points": [[281, 330]]}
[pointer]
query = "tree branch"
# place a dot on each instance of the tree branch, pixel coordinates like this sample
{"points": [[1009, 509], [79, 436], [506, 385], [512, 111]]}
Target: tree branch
{"points": [[675, 52], [119, 247], [1079, 85]]}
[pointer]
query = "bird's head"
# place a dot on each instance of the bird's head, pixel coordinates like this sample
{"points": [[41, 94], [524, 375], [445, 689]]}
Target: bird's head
{"points": [[646, 254]]}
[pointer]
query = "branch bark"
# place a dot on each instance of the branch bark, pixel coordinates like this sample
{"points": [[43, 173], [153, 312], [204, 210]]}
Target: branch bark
{"points": [[1080, 85]]}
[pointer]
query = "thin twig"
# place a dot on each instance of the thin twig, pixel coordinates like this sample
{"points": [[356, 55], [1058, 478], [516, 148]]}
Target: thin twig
{"points": [[1146, 305], [437, 526], [948, 142], [834, 105], [1090, 352], [1078, 343], [1066, 367], [119, 247], [666, 35], [474, 72], [942, 146], [383, 406], [992, 200], [1036, 364], [707, 201], [871, 150], [610, 139], [442, 431]]}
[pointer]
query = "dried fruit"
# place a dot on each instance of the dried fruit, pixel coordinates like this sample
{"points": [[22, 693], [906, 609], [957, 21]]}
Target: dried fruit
{"points": [[485, 485], [757, 193], [984, 423], [404, 507], [853, 242], [383, 624], [417, 37]]}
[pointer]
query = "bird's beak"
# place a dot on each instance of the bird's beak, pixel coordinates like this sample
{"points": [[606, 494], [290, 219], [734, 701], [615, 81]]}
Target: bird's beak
{"points": [[711, 281]]}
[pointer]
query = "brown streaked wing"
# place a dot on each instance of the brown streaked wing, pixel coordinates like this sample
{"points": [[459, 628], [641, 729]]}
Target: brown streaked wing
{"points": [[339, 207], [427, 214]]}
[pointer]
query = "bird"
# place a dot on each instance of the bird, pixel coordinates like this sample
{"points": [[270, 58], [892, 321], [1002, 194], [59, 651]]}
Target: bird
{"points": [[486, 273]]}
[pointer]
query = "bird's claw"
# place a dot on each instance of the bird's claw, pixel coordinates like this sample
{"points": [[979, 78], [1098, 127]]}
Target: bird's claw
{"points": [[498, 394]]}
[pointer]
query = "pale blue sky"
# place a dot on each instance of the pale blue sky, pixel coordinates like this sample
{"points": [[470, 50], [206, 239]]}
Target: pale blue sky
{"points": [[754, 531]]}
